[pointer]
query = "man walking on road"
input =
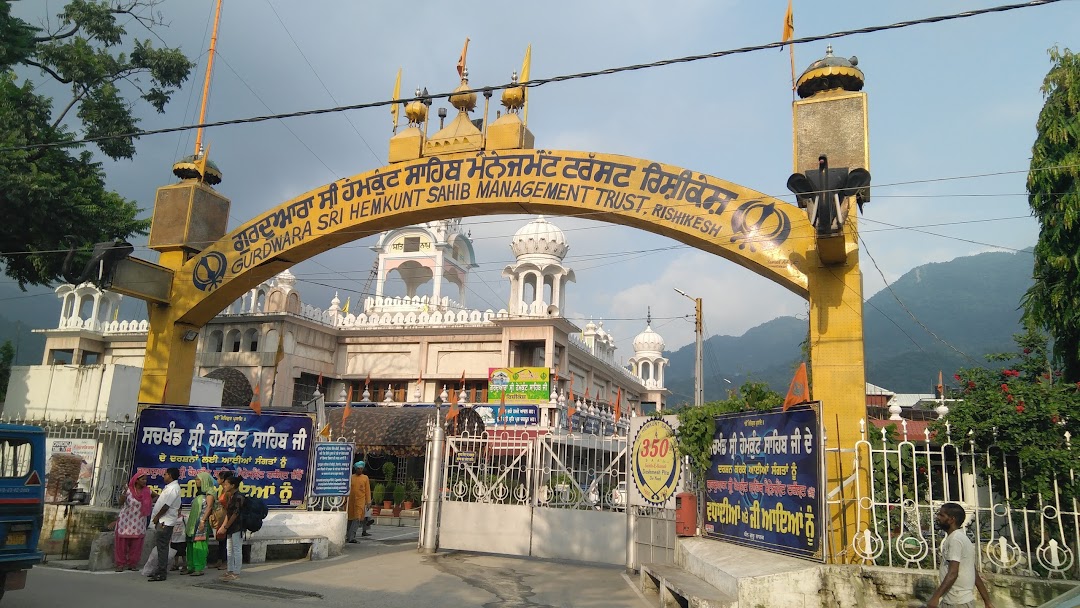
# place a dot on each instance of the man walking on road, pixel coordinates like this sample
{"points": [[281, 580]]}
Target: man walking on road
{"points": [[959, 578], [359, 499], [166, 514]]}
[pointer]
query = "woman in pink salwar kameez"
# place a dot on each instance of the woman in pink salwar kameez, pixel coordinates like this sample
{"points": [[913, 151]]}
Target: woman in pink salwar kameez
{"points": [[131, 525]]}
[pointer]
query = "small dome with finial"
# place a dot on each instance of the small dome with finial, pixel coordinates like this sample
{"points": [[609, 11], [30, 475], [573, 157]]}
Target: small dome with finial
{"points": [[191, 167], [830, 73], [464, 102], [513, 97], [416, 110]]}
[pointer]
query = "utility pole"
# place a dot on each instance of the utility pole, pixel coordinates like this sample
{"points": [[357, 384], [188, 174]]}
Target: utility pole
{"points": [[699, 391]]}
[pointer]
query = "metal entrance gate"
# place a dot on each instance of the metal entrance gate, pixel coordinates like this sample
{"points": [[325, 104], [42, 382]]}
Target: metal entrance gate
{"points": [[554, 495]]}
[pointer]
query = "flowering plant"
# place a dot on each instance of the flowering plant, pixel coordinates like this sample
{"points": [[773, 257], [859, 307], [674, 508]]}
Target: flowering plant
{"points": [[1022, 414]]}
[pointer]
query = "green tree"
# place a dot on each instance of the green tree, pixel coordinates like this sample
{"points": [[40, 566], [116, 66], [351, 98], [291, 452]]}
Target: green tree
{"points": [[54, 198], [1020, 414], [7, 357], [697, 425], [1053, 184]]}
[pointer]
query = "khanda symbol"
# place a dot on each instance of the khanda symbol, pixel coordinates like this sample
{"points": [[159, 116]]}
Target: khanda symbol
{"points": [[759, 225]]}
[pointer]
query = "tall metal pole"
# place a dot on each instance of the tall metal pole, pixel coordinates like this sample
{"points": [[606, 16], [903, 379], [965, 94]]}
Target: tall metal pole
{"points": [[699, 375], [699, 390], [206, 81]]}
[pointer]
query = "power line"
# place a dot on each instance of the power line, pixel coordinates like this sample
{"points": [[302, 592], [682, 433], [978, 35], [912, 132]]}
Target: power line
{"points": [[538, 82]]}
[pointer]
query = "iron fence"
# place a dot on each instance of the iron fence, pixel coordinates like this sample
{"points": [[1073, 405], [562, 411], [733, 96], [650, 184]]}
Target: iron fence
{"points": [[910, 478], [555, 469]]}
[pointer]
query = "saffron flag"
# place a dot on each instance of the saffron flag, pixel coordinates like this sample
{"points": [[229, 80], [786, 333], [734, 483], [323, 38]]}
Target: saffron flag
{"points": [[280, 354], [325, 432], [255, 403], [502, 407], [394, 108], [525, 66], [461, 60], [799, 391], [367, 381], [462, 379], [789, 24], [345, 308], [453, 412], [348, 407], [570, 409], [940, 386], [618, 405], [318, 383]]}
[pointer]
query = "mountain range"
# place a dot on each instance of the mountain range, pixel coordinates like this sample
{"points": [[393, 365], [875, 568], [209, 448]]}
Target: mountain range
{"points": [[937, 317]]}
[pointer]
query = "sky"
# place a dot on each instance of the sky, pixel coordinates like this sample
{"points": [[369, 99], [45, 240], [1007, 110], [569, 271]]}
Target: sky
{"points": [[952, 111]]}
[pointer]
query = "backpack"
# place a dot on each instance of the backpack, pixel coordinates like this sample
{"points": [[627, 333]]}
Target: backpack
{"points": [[252, 513]]}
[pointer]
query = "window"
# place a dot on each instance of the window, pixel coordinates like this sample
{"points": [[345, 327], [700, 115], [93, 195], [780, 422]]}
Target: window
{"points": [[233, 340], [62, 356], [15, 458], [412, 244], [89, 358], [251, 338], [215, 341]]}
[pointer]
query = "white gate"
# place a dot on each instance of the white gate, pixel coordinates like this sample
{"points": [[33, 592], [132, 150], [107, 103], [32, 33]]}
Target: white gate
{"points": [[553, 495]]}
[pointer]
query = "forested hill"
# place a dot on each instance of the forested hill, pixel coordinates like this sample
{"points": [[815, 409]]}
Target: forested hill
{"points": [[970, 303]]}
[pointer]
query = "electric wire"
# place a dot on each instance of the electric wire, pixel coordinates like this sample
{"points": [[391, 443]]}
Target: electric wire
{"points": [[538, 82]]}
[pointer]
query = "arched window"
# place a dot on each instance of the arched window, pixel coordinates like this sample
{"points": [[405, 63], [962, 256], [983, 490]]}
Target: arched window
{"points": [[215, 341], [232, 340], [260, 302], [251, 340], [86, 307]]}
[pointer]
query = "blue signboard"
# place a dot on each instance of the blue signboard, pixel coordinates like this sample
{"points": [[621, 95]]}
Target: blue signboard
{"points": [[333, 466], [270, 451], [764, 483]]}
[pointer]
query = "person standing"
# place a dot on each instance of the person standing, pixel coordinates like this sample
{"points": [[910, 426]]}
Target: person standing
{"points": [[959, 578], [131, 524], [232, 529], [197, 523], [221, 553], [359, 499], [166, 514]]}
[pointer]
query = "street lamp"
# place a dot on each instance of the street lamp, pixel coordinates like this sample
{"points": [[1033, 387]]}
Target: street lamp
{"points": [[699, 392]]}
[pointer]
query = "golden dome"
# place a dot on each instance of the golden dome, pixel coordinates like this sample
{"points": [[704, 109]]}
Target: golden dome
{"points": [[513, 97], [192, 167], [416, 111], [829, 73], [465, 102]]}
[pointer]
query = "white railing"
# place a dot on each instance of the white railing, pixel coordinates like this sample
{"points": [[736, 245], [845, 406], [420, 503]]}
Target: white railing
{"points": [[912, 477], [560, 471]]}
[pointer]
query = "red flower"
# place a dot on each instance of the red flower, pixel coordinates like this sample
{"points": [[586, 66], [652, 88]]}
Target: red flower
{"points": [[1055, 419], [1004, 388], [922, 470], [956, 377], [1027, 351], [1020, 408], [971, 384], [1009, 398]]}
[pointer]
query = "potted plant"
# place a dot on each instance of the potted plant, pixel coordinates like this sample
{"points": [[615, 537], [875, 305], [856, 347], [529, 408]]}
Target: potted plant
{"points": [[377, 494], [388, 480], [399, 499], [412, 494]]}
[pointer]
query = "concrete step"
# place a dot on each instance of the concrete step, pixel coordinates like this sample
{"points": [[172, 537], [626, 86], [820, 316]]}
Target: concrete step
{"points": [[674, 587]]}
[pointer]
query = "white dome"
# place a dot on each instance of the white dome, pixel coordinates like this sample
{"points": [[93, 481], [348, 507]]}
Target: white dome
{"points": [[648, 341], [539, 238], [286, 280]]}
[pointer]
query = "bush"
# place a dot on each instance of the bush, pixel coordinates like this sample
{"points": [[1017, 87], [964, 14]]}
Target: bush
{"points": [[697, 424], [399, 494], [378, 493], [388, 469]]}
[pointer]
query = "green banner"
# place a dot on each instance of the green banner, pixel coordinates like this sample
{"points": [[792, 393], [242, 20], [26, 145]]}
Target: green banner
{"points": [[519, 384]]}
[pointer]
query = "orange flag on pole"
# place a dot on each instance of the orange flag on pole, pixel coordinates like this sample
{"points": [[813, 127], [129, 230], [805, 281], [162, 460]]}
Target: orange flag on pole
{"points": [[502, 407], [453, 412], [255, 403], [570, 409], [618, 405], [940, 386], [789, 33], [348, 407], [461, 60], [799, 391]]}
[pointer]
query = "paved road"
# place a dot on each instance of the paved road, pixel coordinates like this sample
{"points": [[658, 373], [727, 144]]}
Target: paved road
{"points": [[385, 571]]}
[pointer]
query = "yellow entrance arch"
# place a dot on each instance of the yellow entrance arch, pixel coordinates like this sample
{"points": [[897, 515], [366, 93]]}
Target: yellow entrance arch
{"points": [[463, 172]]}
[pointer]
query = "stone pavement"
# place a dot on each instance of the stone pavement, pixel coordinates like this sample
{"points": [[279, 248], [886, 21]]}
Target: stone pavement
{"points": [[384, 570]]}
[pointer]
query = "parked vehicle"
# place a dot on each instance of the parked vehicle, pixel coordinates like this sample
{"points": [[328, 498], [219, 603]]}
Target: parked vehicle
{"points": [[22, 502]]}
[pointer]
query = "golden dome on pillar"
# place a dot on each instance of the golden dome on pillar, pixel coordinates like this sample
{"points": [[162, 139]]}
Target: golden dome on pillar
{"points": [[513, 98], [416, 111], [465, 102], [197, 167], [830, 74]]}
